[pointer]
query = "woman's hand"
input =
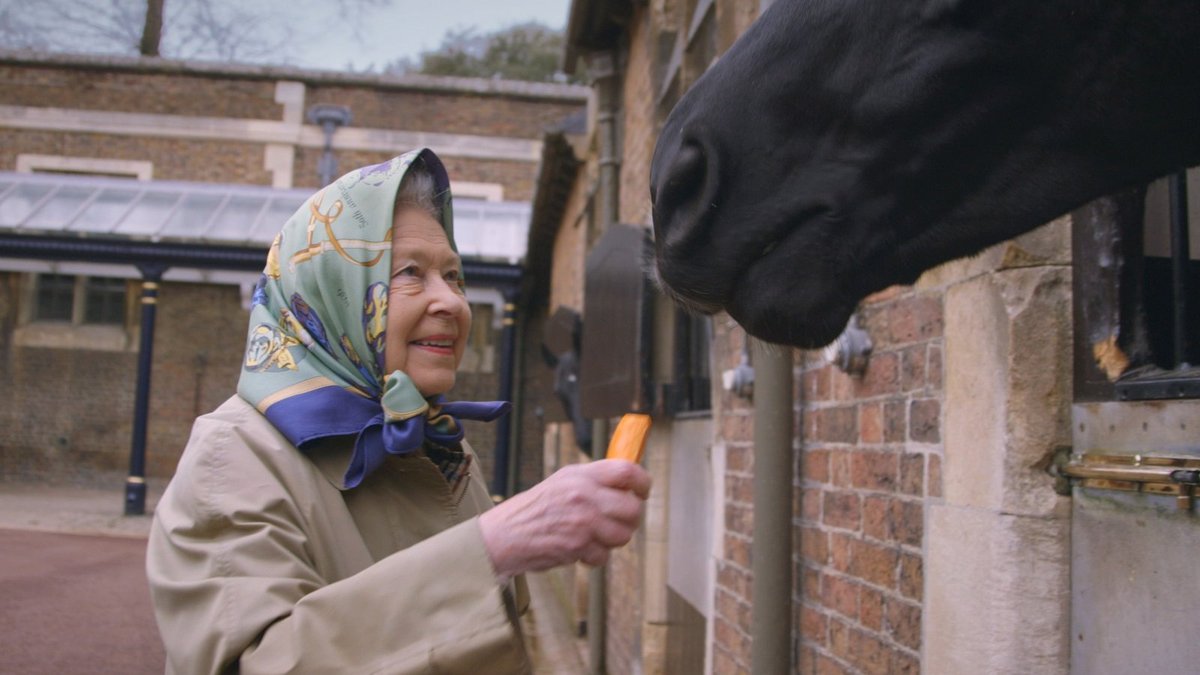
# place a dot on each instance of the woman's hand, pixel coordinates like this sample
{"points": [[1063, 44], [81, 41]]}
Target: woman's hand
{"points": [[579, 513]]}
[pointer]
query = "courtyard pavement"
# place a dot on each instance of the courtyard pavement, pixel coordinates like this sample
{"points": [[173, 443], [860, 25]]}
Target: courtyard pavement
{"points": [[75, 598]]}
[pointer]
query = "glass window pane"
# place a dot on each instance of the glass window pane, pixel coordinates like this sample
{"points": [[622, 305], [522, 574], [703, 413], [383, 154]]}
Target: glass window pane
{"points": [[234, 221], [103, 213], [105, 300], [55, 297], [56, 213], [272, 220], [192, 216], [17, 205], [148, 216]]}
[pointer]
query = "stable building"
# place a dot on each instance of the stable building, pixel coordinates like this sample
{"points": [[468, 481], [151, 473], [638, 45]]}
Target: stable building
{"points": [[139, 196]]}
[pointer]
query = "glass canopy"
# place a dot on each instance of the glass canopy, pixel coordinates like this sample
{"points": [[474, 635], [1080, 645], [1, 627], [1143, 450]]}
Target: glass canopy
{"points": [[51, 204]]}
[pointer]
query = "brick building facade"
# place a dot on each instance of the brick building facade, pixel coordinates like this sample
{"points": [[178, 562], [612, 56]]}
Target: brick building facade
{"points": [[882, 458], [67, 385]]}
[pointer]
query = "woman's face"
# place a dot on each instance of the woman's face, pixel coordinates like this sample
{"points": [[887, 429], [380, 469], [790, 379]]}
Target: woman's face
{"points": [[428, 318]]}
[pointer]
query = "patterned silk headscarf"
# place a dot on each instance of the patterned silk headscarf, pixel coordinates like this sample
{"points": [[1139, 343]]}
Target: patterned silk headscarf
{"points": [[314, 362]]}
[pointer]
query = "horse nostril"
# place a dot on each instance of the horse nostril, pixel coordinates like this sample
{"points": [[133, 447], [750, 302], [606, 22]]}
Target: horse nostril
{"points": [[682, 200], [688, 173]]}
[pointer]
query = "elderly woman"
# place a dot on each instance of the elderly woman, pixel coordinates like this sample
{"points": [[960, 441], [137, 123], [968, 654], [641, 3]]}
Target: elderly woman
{"points": [[330, 517]]}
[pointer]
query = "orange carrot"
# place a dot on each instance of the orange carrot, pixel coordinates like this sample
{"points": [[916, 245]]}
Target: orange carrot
{"points": [[629, 440]]}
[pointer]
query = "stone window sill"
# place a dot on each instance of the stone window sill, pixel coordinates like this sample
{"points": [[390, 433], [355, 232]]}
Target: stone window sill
{"points": [[63, 335]]}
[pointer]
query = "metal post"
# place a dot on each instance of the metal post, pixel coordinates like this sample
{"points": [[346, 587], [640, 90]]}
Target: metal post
{"points": [[135, 483], [771, 549], [1180, 255], [597, 622], [504, 424]]}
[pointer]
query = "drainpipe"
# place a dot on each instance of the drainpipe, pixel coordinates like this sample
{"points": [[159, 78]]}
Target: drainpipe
{"points": [[500, 472], [518, 404], [603, 67], [135, 483], [597, 620], [771, 549]]}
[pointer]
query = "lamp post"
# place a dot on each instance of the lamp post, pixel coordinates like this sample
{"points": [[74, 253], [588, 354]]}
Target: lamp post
{"points": [[330, 118]]}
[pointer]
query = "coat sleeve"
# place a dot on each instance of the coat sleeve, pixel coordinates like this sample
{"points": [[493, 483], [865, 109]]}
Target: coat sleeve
{"points": [[235, 588]]}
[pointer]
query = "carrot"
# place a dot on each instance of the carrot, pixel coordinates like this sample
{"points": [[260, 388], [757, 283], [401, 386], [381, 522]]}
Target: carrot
{"points": [[629, 440]]}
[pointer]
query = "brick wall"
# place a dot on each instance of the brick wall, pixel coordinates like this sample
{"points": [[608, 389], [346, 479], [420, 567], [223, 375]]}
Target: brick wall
{"points": [[139, 92], [734, 417], [68, 412], [445, 112], [516, 177], [872, 453], [173, 158]]}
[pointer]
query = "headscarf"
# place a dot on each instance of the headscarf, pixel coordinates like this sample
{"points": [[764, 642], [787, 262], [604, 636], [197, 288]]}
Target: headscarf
{"points": [[314, 362]]}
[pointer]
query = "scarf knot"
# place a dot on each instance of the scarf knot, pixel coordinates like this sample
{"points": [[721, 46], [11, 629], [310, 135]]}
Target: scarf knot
{"points": [[409, 422]]}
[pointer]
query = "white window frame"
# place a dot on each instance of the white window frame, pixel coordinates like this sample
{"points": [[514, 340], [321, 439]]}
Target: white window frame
{"points": [[31, 163]]}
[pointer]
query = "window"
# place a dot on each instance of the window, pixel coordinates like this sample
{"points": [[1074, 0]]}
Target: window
{"points": [[692, 380], [104, 300], [79, 299], [480, 354], [1136, 270], [55, 297], [122, 168]]}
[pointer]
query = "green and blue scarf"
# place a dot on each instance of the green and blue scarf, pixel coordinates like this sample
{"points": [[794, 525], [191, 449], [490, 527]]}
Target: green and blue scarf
{"points": [[314, 361]]}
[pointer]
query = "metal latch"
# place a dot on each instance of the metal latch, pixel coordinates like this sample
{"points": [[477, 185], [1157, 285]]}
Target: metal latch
{"points": [[1152, 474]]}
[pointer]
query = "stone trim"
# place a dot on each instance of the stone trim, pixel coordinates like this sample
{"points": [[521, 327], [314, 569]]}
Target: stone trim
{"points": [[280, 160], [291, 96], [488, 192]]}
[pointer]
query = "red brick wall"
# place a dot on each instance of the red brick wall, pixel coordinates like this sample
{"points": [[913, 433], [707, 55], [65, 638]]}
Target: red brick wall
{"points": [[871, 455], [733, 598], [872, 452]]}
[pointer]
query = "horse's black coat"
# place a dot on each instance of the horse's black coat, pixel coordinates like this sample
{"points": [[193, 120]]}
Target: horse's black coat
{"points": [[841, 146]]}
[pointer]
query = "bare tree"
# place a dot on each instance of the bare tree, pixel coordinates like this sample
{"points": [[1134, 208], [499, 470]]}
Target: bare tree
{"points": [[152, 29], [229, 30]]}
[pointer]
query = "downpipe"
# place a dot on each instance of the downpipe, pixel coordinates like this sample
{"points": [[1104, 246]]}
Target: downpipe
{"points": [[771, 548]]}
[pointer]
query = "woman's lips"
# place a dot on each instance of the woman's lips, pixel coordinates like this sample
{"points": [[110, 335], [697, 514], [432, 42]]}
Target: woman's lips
{"points": [[436, 344]]}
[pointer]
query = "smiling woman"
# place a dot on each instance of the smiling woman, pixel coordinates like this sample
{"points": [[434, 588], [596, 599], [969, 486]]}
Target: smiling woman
{"points": [[330, 516]]}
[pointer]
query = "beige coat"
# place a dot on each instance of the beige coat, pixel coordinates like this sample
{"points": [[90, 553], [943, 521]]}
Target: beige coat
{"points": [[259, 561]]}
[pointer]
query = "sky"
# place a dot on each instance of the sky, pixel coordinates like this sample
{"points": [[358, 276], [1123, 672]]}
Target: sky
{"points": [[409, 27]]}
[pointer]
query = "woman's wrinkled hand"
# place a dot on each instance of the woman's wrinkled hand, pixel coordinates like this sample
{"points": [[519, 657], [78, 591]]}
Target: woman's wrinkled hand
{"points": [[579, 513]]}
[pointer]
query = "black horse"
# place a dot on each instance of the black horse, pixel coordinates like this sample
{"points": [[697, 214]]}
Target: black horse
{"points": [[842, 146]]}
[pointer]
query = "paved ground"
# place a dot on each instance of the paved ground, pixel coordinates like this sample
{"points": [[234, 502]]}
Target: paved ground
{"points": [[73, 595]]}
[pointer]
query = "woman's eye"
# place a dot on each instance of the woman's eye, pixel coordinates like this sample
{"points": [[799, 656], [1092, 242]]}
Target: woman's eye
{"points": [[407, 271]]}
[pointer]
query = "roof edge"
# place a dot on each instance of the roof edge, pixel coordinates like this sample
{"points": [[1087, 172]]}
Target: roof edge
{"points": [[432, 83]]}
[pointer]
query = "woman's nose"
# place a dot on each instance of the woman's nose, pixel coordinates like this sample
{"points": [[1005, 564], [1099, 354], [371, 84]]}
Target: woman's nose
{"points": [[447, 298]]}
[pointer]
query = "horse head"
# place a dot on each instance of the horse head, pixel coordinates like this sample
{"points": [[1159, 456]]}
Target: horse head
{"points": [[842, 146]]}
